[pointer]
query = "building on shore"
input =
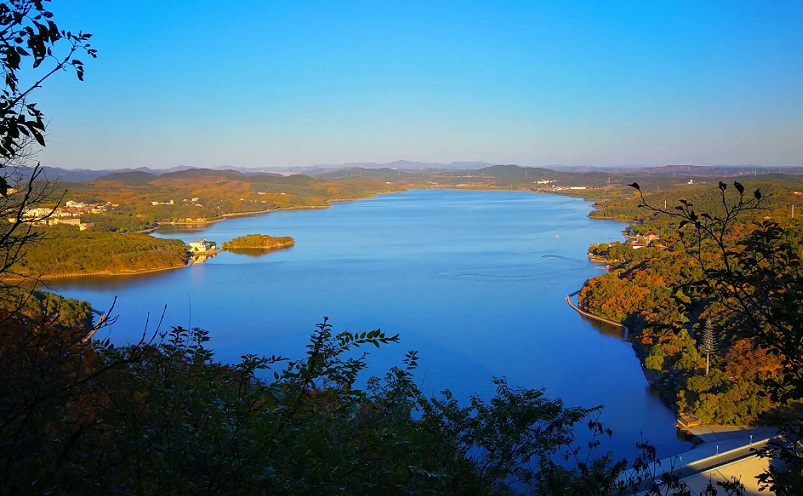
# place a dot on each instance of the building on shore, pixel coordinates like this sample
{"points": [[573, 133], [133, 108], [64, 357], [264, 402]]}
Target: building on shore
{"points": [[200, 246]]}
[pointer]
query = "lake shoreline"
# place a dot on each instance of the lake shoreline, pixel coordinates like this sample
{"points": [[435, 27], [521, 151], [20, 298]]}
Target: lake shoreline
{"points": [[237, 214], [78, 275], [104, 273], [211, 222], [250, 214], [261, 212]]}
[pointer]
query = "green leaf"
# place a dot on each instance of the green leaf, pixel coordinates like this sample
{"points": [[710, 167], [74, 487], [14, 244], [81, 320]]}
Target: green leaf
{"points": [[38, 137]]}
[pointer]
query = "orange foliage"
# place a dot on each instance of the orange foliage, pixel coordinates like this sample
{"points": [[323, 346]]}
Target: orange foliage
{"points": [[744, 359]]}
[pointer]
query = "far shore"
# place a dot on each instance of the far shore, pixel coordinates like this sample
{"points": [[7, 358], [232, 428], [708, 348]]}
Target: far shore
{"points": [[247, 214], [340, 200], [260, 212]]}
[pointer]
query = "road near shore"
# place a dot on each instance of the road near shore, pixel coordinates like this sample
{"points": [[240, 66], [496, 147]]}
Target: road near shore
{"points": [[725, 453]]}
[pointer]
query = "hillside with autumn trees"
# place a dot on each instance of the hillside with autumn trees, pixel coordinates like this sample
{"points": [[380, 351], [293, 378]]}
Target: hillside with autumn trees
{"points": [[139, 200], [656, 291]]}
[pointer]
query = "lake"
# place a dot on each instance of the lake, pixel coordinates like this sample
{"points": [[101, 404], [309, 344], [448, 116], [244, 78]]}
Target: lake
{"points": [[473, 280]]}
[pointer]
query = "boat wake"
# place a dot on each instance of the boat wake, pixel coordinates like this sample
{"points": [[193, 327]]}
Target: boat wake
{"points": [[550, 268]]}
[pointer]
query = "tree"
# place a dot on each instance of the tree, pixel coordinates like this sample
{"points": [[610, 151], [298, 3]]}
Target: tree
{"points": [[28, 33], [32, 49], [48, 363], [708, 344]]}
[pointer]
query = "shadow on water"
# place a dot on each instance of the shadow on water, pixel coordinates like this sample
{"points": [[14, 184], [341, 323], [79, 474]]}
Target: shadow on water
{"points": [[688, 437], [103, 283], [680, 434], [607, 329], [182, 229], [618, 332], [250, 252]]}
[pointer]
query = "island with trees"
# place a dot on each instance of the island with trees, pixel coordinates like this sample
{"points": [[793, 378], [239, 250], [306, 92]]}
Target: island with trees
{"points": [[261, 242]]}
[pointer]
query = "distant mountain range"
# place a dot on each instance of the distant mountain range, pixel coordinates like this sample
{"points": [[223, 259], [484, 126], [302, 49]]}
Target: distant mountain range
{"points": [[496, 170], [404, 165], [78, 175]]}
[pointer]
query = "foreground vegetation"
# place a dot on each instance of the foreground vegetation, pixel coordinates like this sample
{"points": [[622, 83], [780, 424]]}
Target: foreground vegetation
{"points": [[162, 417]]}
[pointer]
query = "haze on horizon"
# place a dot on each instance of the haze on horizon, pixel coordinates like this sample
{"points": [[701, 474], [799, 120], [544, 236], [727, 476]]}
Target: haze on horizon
{"points": [[293, 83]]}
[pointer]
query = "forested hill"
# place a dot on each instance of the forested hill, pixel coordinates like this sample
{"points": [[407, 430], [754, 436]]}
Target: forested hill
{"points": [[780, 191], [690, 338]]}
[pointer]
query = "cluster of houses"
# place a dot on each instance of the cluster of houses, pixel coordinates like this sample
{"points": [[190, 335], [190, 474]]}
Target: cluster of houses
{"points": [[569, 188], [67, 214], [646, 240], [186, 201], [555, 187], [637, 242]]}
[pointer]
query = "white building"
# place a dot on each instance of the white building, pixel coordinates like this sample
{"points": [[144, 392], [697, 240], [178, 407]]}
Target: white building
{"points": [[200, 246]]}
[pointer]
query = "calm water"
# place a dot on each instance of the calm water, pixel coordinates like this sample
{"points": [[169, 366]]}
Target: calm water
{"points": [[474, 281]]}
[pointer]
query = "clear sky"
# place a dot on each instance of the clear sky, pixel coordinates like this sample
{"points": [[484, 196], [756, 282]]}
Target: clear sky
{"points": [[284, 83]]}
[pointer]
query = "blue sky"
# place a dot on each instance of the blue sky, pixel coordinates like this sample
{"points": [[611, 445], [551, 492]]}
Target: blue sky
{"points": [[285, 83]]}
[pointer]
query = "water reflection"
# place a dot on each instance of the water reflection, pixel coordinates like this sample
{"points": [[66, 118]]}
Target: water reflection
{"points": [[250, 252], [605, 329]]}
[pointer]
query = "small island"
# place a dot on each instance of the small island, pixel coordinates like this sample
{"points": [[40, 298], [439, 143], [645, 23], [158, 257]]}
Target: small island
{"points": [[259, 242]]}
